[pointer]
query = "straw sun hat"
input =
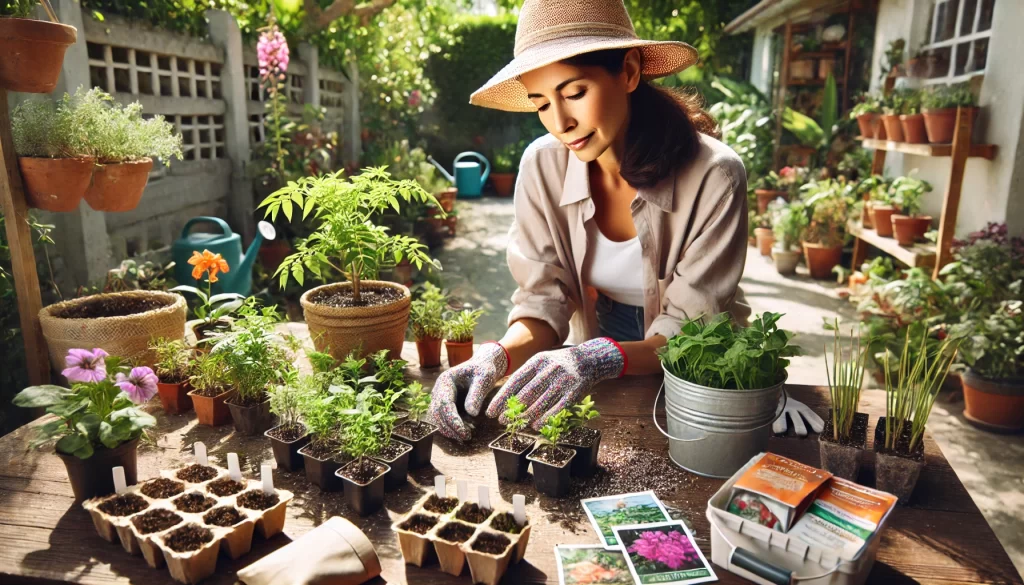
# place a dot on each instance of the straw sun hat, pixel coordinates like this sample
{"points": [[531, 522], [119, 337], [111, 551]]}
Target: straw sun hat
{"points": [[552, 30]]}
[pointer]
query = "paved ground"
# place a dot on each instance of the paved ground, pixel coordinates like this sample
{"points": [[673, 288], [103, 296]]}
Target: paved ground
{"points": [[989, 465]]}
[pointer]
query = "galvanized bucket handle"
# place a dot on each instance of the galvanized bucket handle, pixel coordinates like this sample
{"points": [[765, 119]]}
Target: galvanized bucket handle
{"points": [[654, 416]]}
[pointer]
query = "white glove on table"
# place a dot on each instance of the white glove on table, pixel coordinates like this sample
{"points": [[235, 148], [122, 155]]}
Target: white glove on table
{"points": [[798, 411]]}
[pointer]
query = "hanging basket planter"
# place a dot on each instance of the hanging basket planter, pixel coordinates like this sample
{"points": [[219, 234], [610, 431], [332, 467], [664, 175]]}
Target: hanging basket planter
{"points": [[55, 184], [119, 186], [33, 52]]}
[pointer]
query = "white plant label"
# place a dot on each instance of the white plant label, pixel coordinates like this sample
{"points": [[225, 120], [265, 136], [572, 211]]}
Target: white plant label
{"points": [[119, 482], [463, 487], [267, 475], [439, 486], [519, 508], [485, 497], [233, 470], [200, 449]]}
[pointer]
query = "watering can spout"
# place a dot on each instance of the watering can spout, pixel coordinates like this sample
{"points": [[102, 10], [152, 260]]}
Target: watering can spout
{"points": [[446, 174], [265, 231]]}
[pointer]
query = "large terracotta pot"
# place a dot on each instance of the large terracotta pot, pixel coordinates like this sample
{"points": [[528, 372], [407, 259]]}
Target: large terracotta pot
{"points": [[342, 329], [892, 127], [766, 196], [881, 216], [910, 229], [503, 183], [55, 184], [993, 404], [118, 187], [33, 52], [913, 128], [765, 240], [940, 123], [821, 260], [867, 123]]}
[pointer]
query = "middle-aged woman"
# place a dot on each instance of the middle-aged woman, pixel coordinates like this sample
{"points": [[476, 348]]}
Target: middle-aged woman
{"points": [[630, 215]]}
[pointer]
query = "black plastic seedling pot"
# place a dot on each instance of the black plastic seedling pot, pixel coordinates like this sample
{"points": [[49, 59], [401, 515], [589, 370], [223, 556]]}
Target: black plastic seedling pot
{"points": [[251, 420], [512, 466], [398, 468], [551, 480], [286, 453], [584, 464], [321, 472], [366, 498], [421, 447]]}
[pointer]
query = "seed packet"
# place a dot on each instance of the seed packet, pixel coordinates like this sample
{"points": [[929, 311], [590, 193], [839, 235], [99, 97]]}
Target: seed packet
{"points": [[608, 511], [843, 516], [775, 490], [663, 553], [588, 564]]}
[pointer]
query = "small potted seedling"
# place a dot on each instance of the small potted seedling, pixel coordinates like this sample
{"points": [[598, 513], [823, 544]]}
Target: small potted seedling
{"points": [[416, 432], [213, 313], [395, 454], [321, 413], [364, 477], [290, 434], [426, 319], [458, 334], [909, 226], [510, 449], [172, 364], [585, 440], [845, 435], [551, 463], [210, 389]]}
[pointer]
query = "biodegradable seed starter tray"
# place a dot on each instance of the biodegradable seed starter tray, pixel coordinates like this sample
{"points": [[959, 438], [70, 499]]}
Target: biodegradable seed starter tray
{"points": [[188, 508]]}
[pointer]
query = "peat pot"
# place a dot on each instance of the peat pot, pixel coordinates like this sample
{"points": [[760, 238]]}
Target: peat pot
{"points": [[897, 472], [843, 459]]}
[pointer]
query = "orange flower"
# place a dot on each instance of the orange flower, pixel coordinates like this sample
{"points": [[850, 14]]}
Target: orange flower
{"points": [[207, 262]]}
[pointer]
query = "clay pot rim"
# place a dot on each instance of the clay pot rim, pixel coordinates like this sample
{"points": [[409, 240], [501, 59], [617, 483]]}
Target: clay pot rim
{"points": [[498, 174], [38, 31], [462, 343], [530, 447], [819, 246], [329, 311], [193, 394], [901, 217], [83, 158], [778, 251], [910, 116], [946, 110], [1013, 386], [142, 162]]}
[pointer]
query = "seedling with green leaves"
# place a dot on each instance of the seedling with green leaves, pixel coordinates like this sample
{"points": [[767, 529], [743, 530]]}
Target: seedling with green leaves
{"points": [[459, 327], [209, 374], [286, 399], [910, 397], [515, 414], [556, 426], [417, 400], [583, 413], [172, 360], [426, 313], [363, 435]]}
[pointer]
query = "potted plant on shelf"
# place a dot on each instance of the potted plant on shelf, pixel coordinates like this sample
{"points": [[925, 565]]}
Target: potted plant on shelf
{"points": [[789, 221], [763, 234], [290, 434], [33, 50], [363, 477], [891, 108], [213, 313], [506, 164], [414, 430], [359, 312], [908, 226], [510, 449], [426, 319], [172, 369], [845, 435], [210, 389], [880, 203], [993, 382], [552, 464], [939, 106], [867, 112], [911, 119], [823, 238], [583, 439], [98, 423], [458, 335]]}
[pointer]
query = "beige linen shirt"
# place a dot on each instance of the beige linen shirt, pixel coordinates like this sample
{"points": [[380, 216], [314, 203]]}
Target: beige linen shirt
{"points": [[692, 228]]}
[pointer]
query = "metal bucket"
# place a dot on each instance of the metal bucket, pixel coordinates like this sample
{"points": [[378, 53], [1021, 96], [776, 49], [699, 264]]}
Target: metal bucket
{"points": [[714, 432]]}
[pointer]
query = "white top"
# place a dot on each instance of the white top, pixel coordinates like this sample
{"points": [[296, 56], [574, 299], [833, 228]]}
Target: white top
{"points": [[615, 268]]}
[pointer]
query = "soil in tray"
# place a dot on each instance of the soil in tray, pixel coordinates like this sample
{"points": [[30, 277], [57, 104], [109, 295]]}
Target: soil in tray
{"points": [[858, 432], [225, 516], [194, 503], [287, 433], [111, 307], [370, 297], [209, 392], [162, 488], [225, 486], [580, 437], [440, 505], [472, 513], [494, 544], [196, 473], [413, 430], [125, 505], [393, 450], [257, 500], [188, 538], [155, 521], [455, 532], [516, 444], [419, 523], [249, 401], [553, 455], [363, 473], [506, 522]]}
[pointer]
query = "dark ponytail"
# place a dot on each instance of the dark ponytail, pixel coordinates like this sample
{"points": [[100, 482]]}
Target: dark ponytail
{"points": [[664, 124]]}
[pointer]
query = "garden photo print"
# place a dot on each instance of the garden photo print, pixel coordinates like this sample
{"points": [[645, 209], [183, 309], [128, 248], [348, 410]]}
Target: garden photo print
{"points": [[663, 553]]}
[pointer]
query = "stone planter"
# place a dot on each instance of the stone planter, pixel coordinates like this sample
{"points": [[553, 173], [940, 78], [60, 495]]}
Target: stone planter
{"points": [[995, 405], [55, 184], [821, 260], [844, 459], [786, 261], [118, 187], [341, 329], [33, 53]]}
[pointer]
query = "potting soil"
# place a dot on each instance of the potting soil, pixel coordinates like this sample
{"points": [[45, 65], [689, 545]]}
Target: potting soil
{"points": [[393, 450], [858, 432], [472, 513], [455, 532], [162, 488], [369, 297], [553, 455], [188, 538], [440, 505], [419, 523], [287, 433], [194, 503], [494, 544], [210, 392], [580, 437], [413, 430], [248, 401], [124, 505], [196, 473], [506, 522], [363, 473], [322, 450], [118, 306], [225, 516], [843, 517], [516, 444], [224, 486], [156, 520], [257, 500], [902, 448]]}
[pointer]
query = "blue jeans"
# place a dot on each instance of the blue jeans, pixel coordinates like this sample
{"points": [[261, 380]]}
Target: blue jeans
{"points": [[619, 321]]}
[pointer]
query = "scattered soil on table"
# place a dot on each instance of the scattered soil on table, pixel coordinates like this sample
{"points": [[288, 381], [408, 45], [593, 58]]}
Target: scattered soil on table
{"points": [[288, 433], [323, 450], [225, 486], [194, 503], [196, 473], [516, 444], [364, 472], [210, 392], [506, 522], [580, 437], [188, 538], [858, 432], [419, 523], [249, 401], [472, 513], [494, 544], [440, 505], [118, 306], [455, 532], [224, 516], [902, 448], [552, 455], [414, 430], [156, 520], [124, 505], [393, 451], [162, 488], [375, 297], [257, 500]]}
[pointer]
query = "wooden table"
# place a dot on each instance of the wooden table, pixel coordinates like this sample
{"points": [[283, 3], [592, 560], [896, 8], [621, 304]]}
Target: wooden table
{"points": [[45, 537]]}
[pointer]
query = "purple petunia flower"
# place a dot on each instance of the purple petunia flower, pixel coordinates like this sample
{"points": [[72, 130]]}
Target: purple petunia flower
{"points": [[85, 366], [139, 385]]}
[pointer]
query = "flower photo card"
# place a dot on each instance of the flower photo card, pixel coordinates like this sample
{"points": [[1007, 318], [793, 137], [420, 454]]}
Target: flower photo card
{"points": [[625, 509], [591, 564], [663, 553]]}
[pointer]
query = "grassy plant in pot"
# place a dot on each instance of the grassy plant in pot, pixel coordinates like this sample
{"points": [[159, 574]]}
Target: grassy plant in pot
{"points": [[363, 477], [414, 430], [993, 350], [458, 335], [583, 439], [939, 106], [911, 119], [98, 423], [867, 112], [822, 240], [290, 434], [845, 435], [210, 389], [789, 221], [33, 50], [510, 449], [506, 164], [213, 313], [172, 368], [909, 226], [552, 464], [362, 313], [426, 319]]}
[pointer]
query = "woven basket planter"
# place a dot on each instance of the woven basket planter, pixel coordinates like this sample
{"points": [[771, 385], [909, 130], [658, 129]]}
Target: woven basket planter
{"points": [[342, 329]]}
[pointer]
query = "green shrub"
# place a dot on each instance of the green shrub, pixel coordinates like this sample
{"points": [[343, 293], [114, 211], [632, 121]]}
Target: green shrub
{"points": [[950, 96]]}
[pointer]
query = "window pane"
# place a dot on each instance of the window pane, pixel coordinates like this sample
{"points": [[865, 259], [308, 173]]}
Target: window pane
{"points": [[945, 25], [985, 21], [980, 54], [967, 23], [938, 62], [961, 58], [931, 19]]}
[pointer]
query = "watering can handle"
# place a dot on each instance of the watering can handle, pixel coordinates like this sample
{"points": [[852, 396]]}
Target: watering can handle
{"points": [[483, 159], [206, 219], [654, 416]]}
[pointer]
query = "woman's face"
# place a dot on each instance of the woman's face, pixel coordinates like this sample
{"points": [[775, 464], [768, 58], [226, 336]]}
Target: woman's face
{"points": [[587, 108]]}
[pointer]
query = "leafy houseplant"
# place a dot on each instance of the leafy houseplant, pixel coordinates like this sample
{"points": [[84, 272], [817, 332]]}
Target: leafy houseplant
{"points": [[172, 368], [788, 223], [364, 477], [210, 389], [290, 434], [911, 119], [213, 312], [416, 431], [846, 430], [322, 413], [583, 439], [908, 226], [458, 333], [867, 112], [940, 106], [551, 463], [510, 449], [426, 319], [346, 242], [993, 350], [506, 165], [98, 422], [33, 49], [827, 202], [894, 105]]}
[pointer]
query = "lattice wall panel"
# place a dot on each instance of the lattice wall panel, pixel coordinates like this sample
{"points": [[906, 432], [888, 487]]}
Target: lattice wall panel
{"points": [[127, 70], [202, 136]]}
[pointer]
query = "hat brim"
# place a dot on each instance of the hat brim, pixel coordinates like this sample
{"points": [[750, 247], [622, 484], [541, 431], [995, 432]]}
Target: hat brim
{"points": [[505, 92]]}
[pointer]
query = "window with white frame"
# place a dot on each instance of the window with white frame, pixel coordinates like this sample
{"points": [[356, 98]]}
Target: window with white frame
{"points": [[956, 46]]}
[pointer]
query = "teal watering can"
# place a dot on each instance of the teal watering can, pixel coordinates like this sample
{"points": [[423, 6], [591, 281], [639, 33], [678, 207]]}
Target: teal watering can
{"points": [[468, 179], [225, 243]]}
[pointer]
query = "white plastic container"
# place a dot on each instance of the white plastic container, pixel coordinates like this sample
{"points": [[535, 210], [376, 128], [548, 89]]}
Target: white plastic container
{"points": [[770, 557]]}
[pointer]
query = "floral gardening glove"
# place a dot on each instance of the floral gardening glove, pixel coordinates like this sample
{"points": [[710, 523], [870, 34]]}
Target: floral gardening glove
{"points": [[553, 380], [479, 373]]}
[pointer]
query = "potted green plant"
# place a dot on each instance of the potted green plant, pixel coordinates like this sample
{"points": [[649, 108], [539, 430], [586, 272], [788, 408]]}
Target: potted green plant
{"points": [[867, 190], [940, 105], [363, 477], [789, 221], [510, 449], [172, 369], [763, 234], [290, 434], [909, 226], [414, 430], [823, 238], [393, 453], [583, 439], [768, 188], [911, 119], [362, 313], [213, 313], [98, 423], [458, 335], [880, 204], [891, 108], [506, 164], [867, 112], [426, 319], [322, 412], [845, 435], [210, 389], [33, 50], [993, 351], [552, 465]]}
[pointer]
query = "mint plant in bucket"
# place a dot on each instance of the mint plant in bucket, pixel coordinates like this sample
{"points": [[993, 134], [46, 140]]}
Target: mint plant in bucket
{"points": [[723, 385]]}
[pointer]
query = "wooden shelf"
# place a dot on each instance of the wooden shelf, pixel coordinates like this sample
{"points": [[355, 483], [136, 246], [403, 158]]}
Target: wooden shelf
{"points": [[917, 255], [986, 151], [812, 82]]}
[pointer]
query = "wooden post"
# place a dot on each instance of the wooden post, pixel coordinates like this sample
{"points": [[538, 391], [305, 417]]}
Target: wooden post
{"points": [[23, 259], [951, 202], [846, 66], [783, 80]]}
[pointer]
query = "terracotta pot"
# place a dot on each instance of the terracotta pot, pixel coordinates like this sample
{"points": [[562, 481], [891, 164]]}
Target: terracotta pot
{"points": [[765, 240], [881, 216], [33, 53], [212, 411], [342, 329], [118, 187], [821, 260], [458, 352], [866, 219], [174, 398], [402, 273], [766, 196], [447, 199], [913, 128], [880, 132], [786, 261], [917, 67], [429, 350], [94, 476], [503, 183], [867, 123], [940, 124], [892, 127], [273, 253], [910, 229], [55, 184], [993, 404]]}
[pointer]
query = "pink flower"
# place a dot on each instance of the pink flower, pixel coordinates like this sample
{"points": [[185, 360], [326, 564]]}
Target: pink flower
{"points": [[139, 385], [85, 366], [786, 172], [414, 98], [272, 53], [672, 549]]}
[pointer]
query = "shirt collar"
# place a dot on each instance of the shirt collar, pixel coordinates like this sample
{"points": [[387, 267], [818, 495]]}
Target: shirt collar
{"points": [[576, 187]]}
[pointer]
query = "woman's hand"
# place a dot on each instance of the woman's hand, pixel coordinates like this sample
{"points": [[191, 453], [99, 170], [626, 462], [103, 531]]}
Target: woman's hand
{"points": [[478, 374], [553, 380]]}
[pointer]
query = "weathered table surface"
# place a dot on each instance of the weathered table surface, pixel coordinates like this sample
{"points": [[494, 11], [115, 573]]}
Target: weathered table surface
{"points": [[45, 537]]}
